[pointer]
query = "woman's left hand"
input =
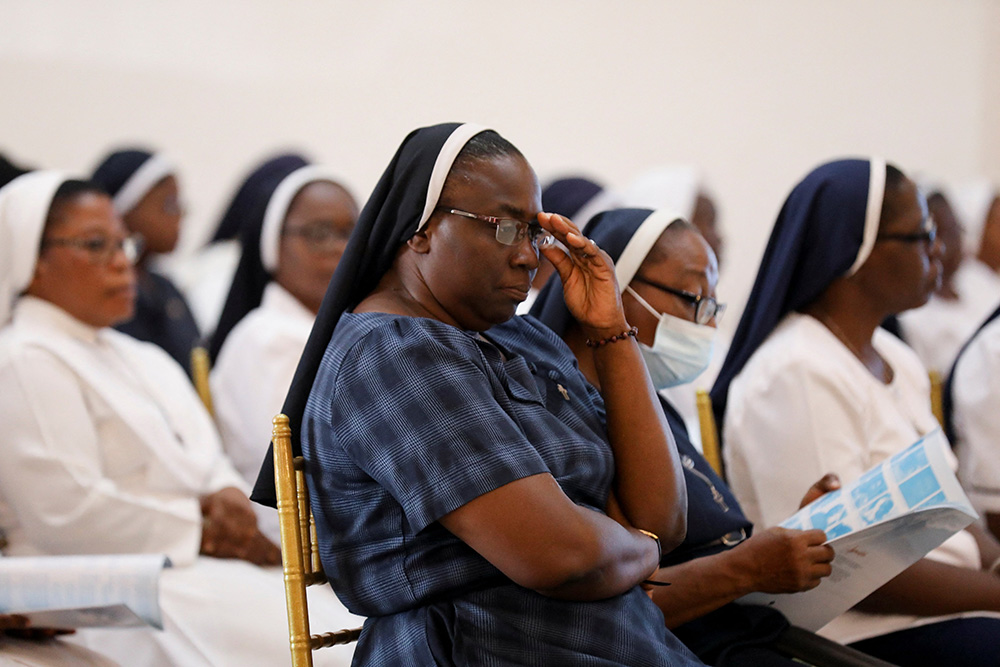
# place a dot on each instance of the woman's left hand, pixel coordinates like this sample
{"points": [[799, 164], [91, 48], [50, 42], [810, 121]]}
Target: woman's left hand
{"points": [[588, 277]]}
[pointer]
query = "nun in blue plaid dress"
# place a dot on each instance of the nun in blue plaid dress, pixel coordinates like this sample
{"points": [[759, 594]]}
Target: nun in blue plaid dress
{"points": [[474, 496]]}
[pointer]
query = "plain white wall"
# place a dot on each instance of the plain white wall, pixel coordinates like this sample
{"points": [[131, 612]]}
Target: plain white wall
{"points": [[756, 93]]}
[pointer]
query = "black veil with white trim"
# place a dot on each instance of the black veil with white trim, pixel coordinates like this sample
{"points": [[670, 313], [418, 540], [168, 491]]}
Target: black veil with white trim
{"points": [[401, 203]]}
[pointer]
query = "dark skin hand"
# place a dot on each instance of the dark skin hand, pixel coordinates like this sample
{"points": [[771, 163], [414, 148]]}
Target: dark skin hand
{"points": [[229, 529], [776, 560], [15, 625]]}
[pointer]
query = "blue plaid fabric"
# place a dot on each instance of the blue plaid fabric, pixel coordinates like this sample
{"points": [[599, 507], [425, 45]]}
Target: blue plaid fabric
{"points": [[409, 419]]}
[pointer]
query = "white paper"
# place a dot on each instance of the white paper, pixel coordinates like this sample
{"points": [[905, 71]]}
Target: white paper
{"points": [[883, 522], [83, 591]]}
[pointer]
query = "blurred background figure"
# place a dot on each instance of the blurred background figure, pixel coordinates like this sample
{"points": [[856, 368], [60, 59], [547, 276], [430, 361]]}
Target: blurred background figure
{"points": [[977, 209], [206, 275], [937, 330], [9, 171], [680, 188], [145, 192], [292, 239], [972, 396]]}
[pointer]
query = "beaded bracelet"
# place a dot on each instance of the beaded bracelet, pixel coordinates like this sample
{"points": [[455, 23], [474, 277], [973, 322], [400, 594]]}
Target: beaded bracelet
{"points": [[632, 331]]}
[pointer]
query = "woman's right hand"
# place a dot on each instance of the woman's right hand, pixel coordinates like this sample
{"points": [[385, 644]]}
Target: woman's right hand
{"points": [[588, 277], [782, 560]]}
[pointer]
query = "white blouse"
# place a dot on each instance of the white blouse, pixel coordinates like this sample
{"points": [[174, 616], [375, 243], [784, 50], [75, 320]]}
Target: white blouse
{"points": [[804, 406], [976, 394], [107, 449], [937, 330], [106, 446], [251, 378]]}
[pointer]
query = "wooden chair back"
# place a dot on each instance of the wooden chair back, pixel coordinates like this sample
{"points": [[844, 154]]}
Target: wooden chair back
{"points": [[299, 553], [709, 431], [937, 396], [201, 364]]}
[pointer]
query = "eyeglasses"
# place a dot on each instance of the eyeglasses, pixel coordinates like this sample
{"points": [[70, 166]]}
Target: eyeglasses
{"points": [[509, 230], [706, 308], [321, 237], [927, 234], [102, 249]]}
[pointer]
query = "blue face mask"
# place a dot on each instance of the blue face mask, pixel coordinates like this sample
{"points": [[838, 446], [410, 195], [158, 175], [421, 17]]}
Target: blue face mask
{"points": [[681, 349]]}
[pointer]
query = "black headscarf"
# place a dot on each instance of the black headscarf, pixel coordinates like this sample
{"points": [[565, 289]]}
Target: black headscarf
{"points": [[246, 214], [613, 231], [9, 171], [259, 183], [825, 230], [566, 196], [403, 198], [128, 175]]}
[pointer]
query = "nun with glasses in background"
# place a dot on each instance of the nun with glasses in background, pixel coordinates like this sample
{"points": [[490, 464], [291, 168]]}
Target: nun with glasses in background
{"points": [[108, 449], [474, 495], [146, 194], [813, 385], [291, 243], [206, 275], [668, 274]]}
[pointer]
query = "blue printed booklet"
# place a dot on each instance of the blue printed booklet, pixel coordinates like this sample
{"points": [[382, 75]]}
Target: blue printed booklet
{"points": [[83, 591], [883, 522]]}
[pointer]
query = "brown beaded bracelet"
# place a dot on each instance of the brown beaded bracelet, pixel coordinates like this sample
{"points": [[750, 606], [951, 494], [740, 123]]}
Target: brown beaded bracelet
{"points": [[632, 331]]}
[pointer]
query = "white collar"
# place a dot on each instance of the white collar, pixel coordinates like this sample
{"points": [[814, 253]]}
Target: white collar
{"points": [[32, 311]]}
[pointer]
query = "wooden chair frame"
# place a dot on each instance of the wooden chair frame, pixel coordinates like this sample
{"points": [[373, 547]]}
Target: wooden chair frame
{"points": [[709, 432], [299, 553]]}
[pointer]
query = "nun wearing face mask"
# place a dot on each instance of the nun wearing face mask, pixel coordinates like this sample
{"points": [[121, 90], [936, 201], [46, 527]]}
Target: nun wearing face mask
{"points": [[108, 449], [292, 243], [669, 274], [812, 384], [681, 188]]}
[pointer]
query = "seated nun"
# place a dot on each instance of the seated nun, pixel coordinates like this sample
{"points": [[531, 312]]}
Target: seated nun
{"points": [[107, 448], [937, 330], [669, 274], [145, 192], [206, 275], [291, 246], [813, 385], [470, 498], [972, 396], [681, 188]]}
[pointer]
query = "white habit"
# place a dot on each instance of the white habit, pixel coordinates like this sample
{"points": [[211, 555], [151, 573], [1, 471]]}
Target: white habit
{"points": [[107, 449], [976, 415], [804, 406], [250, 380], [937, 330]]}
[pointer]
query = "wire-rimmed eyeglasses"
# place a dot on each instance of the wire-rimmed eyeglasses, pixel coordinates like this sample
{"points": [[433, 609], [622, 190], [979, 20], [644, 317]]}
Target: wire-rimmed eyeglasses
{"points": [[509, 230]]}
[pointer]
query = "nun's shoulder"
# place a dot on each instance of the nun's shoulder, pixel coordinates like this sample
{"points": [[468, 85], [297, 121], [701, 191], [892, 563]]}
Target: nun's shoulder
{"points": [[526, 333], [800, 346], [376, 338]]}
